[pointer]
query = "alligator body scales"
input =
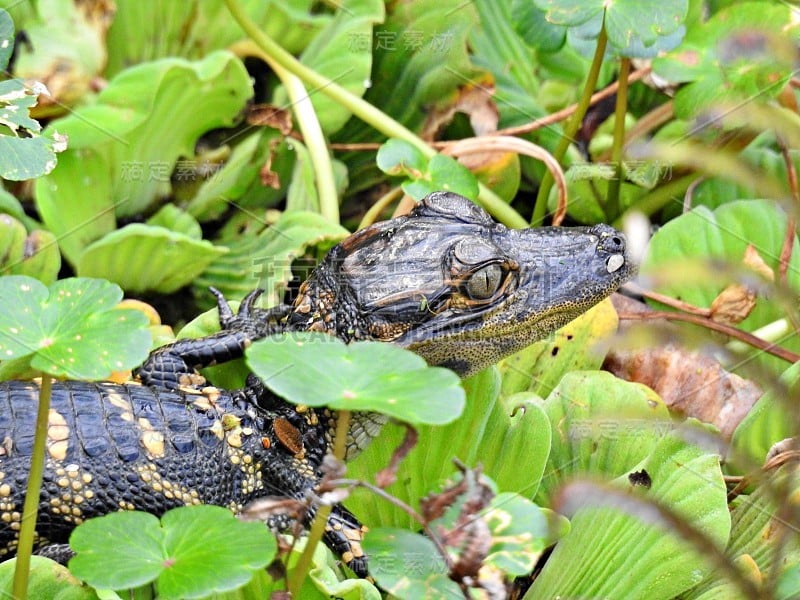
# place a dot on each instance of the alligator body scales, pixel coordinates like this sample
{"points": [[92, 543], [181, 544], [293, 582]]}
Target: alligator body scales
{"points": [[445, 281]]}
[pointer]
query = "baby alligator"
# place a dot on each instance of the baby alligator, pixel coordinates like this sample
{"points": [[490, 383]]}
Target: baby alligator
{"points": [[445, 281]]}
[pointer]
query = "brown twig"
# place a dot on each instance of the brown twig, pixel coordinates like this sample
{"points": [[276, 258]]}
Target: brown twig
{"points": [[743, 336], [505, 143], [672, 302], [556, 117]]}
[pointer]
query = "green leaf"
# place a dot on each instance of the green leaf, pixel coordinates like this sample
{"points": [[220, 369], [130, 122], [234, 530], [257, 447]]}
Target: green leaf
{"points": [[635, 28], [539, 367], [34, 154], [142, 257], [534, 28], [519, 534], [771, 420], [6, 38], [612, 554], [173, 218], [704, 241], [339, 53], [128, 549], [142, 122], [600, 425], [751, 58], [47, 579], [146, 31], [320, 370], [71, 329], [35, 254], [264, 260], [399, 157], [493, 432], [408, 566], [753, 539]]}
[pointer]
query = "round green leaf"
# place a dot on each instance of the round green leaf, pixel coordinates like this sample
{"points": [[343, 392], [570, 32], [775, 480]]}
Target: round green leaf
{"points": [[398, 157], [320, 370], [129, 549], [71, 329], [408, 565], [119, 550], [635, 28]]}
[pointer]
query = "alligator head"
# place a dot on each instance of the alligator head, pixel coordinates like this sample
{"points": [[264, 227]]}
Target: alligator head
{"points": [[457, 288]]}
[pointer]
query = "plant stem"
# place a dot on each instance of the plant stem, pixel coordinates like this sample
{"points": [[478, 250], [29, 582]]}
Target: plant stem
{"points": [[313, 137], [360, 108], [614, 208], [540, 208], [303, 565], [31, 504]]}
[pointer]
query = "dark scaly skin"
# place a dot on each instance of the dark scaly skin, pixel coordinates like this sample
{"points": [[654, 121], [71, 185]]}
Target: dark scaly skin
{"points": [[445, 281]]}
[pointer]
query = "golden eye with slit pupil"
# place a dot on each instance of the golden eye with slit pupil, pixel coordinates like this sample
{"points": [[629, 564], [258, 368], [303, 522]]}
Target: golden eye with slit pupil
{"points": [[484, 283]]}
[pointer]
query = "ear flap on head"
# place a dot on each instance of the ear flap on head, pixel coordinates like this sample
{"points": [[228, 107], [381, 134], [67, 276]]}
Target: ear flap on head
{"points": [[451, 207]]}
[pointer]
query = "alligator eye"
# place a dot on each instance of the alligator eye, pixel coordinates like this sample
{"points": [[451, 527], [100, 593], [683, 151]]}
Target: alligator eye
{"points": [[484, 283]]}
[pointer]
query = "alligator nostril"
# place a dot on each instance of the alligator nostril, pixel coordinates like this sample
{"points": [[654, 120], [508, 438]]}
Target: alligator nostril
{"points": [[618, 242]]}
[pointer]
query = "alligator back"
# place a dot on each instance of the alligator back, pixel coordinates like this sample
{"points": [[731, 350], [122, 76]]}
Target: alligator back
{"points": [[113, 447]]}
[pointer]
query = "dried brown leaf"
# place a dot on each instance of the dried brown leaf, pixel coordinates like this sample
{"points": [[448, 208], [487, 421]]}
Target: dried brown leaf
{"points": [[752, 260], [688, 381], [733, 304], [266, 115]]}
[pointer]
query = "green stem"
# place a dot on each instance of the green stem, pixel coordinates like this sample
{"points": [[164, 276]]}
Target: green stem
{"points": [[658, 198], [315, 141], [614, 207], [303, 566], [571, 128], [360, 108], [31, 504]]}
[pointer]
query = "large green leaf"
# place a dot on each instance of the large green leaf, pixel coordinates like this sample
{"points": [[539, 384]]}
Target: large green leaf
{"points": [[142, 257], [47, 579], [128, 549], [71, 329], [131, 138], [600, 425], [772, 419], [146, 31], [496, 433], [612, 554], [755, 526], [705, 240], [320, 370]]}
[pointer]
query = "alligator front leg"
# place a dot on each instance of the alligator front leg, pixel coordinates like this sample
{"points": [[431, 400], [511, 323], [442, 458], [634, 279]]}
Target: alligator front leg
{"points": [[175, 365]]}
